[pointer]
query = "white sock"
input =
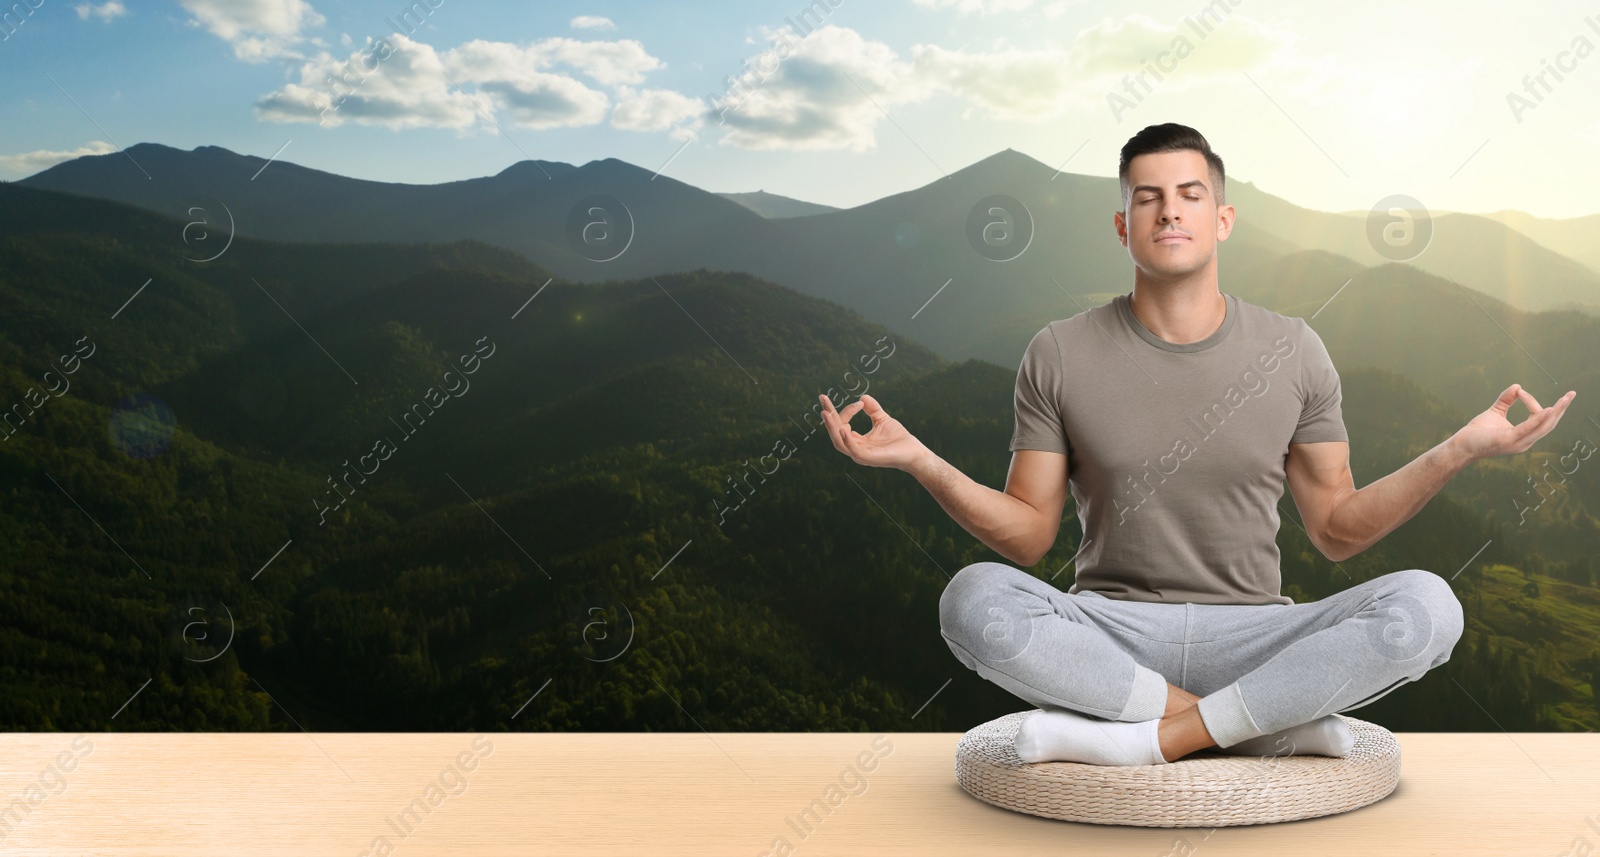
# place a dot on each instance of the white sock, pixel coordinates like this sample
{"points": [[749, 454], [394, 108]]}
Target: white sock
{"points": [[1325, 736], [1058, 735]]}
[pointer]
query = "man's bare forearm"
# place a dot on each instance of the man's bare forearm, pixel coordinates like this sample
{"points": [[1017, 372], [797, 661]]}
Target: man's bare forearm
{"points": [[1006, 524], [1367, 515]]}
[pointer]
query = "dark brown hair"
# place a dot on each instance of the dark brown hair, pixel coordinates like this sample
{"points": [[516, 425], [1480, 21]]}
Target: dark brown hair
{"points": [[1172, 137]]}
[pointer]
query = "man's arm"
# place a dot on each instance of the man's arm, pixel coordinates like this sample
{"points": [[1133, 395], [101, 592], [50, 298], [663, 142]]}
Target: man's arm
{"points": [[1019, 523], [1343, 522]]}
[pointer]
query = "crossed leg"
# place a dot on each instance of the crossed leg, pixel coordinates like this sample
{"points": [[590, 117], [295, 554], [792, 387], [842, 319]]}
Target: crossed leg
{"points": [[1182, 730], [1261, 670]]}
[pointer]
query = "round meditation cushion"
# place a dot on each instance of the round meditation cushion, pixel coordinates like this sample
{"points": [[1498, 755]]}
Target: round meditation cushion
{"points": [[1203, 789]]}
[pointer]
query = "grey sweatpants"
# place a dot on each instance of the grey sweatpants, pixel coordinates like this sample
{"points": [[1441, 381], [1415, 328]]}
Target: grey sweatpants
{"points": [[1257, 668]]}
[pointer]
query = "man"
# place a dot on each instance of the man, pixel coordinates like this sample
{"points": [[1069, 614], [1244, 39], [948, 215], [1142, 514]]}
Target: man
{"points": [[1174, 414]]}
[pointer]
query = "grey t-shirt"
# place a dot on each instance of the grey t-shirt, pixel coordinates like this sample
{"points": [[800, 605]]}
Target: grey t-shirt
{"points": [[1176, 452]]}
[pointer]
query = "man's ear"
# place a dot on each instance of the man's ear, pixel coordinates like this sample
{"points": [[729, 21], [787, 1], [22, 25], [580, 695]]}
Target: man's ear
{"points": [[1225, 215]]}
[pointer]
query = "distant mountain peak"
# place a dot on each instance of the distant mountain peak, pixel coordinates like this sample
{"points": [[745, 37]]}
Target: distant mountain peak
{"points": [[1012, 156], [539, 169], [162, 152], [613, 167], [1009, 161], [147, 147]]}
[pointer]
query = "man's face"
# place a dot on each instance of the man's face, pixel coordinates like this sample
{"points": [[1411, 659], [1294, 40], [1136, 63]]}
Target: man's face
{"points": [[1172, 223]]}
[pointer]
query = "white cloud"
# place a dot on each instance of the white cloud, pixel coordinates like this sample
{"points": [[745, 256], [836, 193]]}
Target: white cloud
{"points": [[608, 63], [963, 8], [539, 100], [1111, 49], [976, 7], [1119, 63], [104, 11], [258, 29], [799, 93], [514, 76], [1007, 84], [402, 83], [814, 93], [395, 83], [29, 163], [1059, 8], [592, 22], [658, 110]]}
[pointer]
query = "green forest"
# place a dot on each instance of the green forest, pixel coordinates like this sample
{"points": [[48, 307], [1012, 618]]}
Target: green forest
{"points": [[552, 548]]}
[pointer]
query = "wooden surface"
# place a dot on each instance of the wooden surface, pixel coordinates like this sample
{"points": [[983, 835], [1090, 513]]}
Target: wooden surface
{"points": [[709, 794]]}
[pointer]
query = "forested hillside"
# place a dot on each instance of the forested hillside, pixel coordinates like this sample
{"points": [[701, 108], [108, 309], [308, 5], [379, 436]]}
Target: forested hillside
{"points": [[627, 521]]}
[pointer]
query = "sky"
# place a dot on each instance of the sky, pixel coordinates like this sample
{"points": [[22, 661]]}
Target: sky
{"points": [[1466, 107]]}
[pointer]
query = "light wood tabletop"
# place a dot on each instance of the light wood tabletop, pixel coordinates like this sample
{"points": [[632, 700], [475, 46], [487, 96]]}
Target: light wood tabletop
{"points": [[708, 794]]}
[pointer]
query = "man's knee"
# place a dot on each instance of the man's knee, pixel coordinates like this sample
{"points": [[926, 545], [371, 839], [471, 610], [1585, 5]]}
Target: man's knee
{"points": [[965, 591], [979, 612], [1440, 606]]}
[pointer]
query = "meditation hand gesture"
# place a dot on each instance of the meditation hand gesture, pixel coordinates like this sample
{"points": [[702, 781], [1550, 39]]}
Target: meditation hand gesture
{"points": [[886, 444], [1490, 433]]}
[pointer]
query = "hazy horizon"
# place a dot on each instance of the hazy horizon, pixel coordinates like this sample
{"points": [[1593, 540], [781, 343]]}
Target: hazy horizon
{"points": [[829, 102], [1232, 180]]}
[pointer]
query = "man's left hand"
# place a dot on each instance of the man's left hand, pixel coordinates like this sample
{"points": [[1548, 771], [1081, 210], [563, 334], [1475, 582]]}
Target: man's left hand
{"points": [[1490, 433]]}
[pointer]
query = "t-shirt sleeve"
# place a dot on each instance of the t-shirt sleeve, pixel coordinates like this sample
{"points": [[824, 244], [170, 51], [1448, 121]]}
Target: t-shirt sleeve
{"points": [[1320, 416], [1038, 397]]}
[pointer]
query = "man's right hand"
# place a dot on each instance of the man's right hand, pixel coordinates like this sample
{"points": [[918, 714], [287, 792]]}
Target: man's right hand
{"points": [[886, 444], [1019, 523]]}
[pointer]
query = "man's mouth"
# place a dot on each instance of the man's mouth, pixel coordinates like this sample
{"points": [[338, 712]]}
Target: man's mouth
{"points": [[1167, 237]]}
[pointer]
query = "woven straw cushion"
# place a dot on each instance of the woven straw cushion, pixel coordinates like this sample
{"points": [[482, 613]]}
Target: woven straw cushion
{"points": [[1202, 789]]}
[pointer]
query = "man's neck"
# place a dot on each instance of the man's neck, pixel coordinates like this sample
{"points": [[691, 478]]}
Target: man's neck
{"points": [[1181, 312]]}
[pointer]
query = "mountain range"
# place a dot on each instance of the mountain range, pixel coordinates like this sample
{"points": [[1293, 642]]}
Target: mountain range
{"points": [[584, 468], [885, 259]]}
